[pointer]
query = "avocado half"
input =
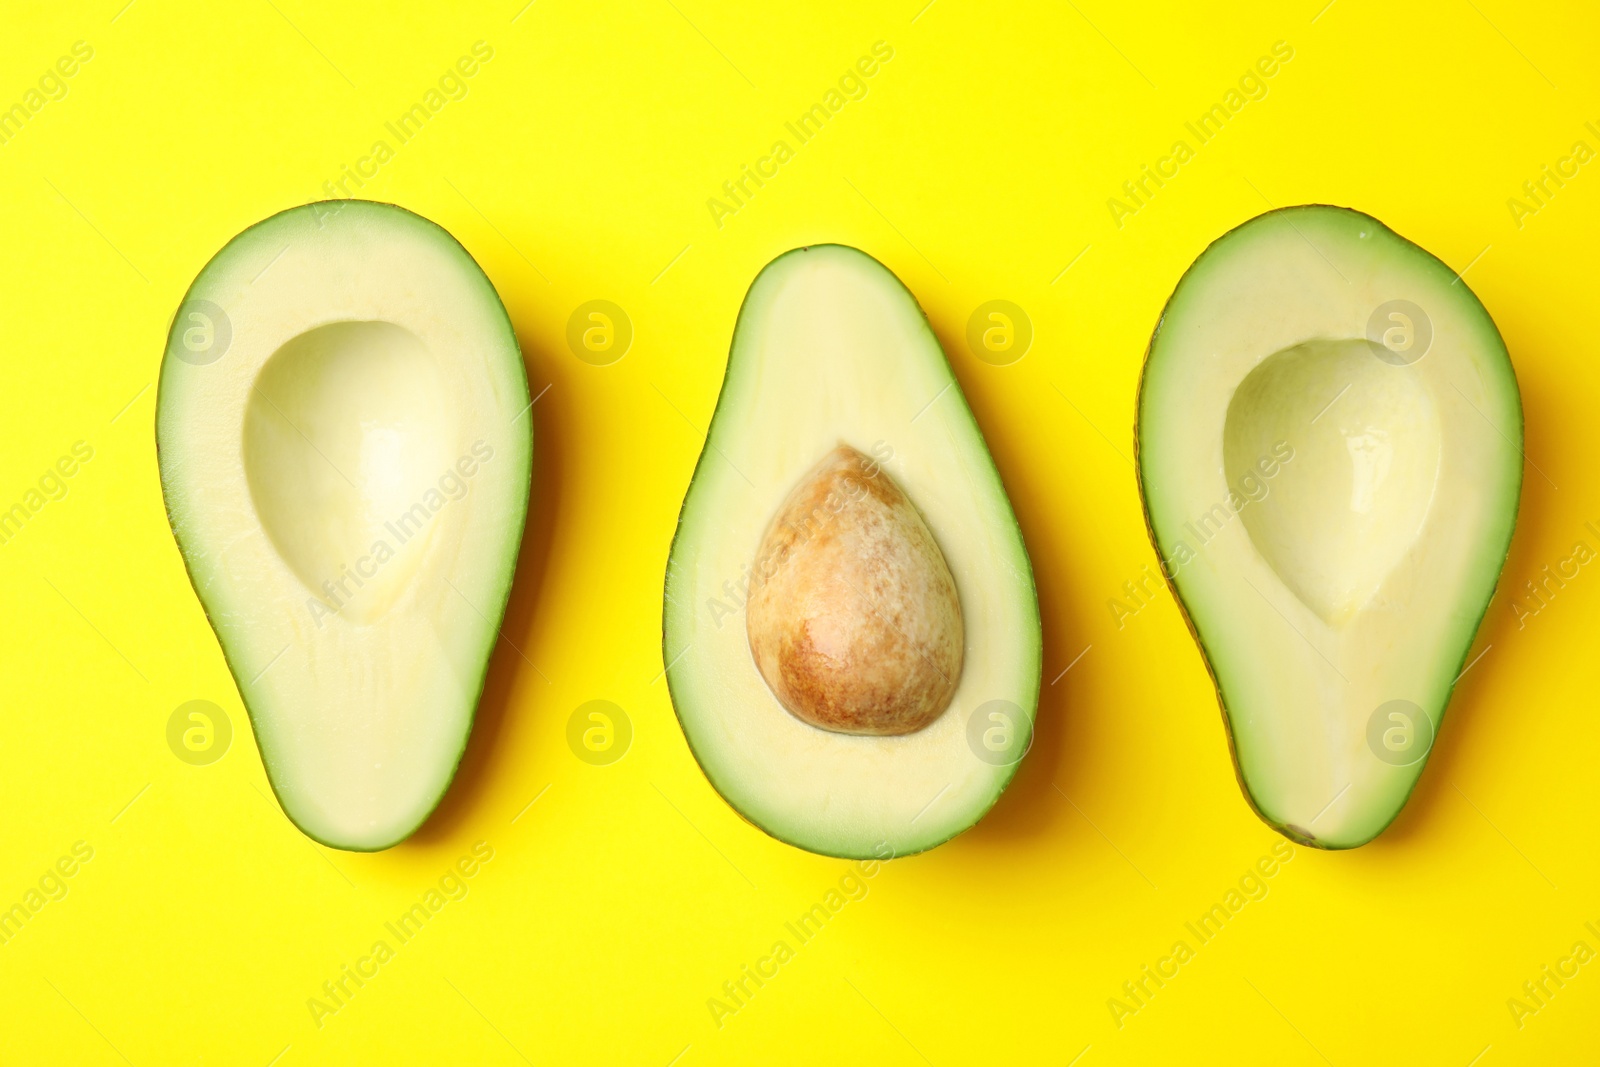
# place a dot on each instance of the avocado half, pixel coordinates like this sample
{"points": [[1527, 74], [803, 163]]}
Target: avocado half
{"points": [[1330, 456], [833, 360], [345, 450]]}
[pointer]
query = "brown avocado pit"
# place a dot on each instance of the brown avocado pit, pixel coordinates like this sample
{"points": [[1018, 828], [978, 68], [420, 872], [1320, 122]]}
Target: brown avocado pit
{"points": [[854, 620]]}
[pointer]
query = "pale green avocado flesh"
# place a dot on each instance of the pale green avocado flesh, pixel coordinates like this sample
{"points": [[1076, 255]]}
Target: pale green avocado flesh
{"points": [[1330, 452], [830, 349], [345, 452]]}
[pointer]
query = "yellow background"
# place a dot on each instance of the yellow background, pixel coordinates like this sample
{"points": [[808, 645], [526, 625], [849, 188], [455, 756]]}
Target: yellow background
{"points": [[978, 167]]}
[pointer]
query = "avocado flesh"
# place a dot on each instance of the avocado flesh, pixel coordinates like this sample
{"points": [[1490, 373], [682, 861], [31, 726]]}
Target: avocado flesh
{"points": [[830, 348], [1323, 586], [347, 482]]}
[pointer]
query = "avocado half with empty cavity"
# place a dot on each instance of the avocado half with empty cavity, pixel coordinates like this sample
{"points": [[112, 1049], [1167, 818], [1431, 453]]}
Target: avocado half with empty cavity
{"points": [[851, 631], [345, 449], [1330, 454]]}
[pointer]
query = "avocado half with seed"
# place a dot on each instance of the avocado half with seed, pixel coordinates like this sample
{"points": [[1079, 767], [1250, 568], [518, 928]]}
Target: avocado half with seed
{"points": [[1330, 455], [851, 631], [345, 452]]}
